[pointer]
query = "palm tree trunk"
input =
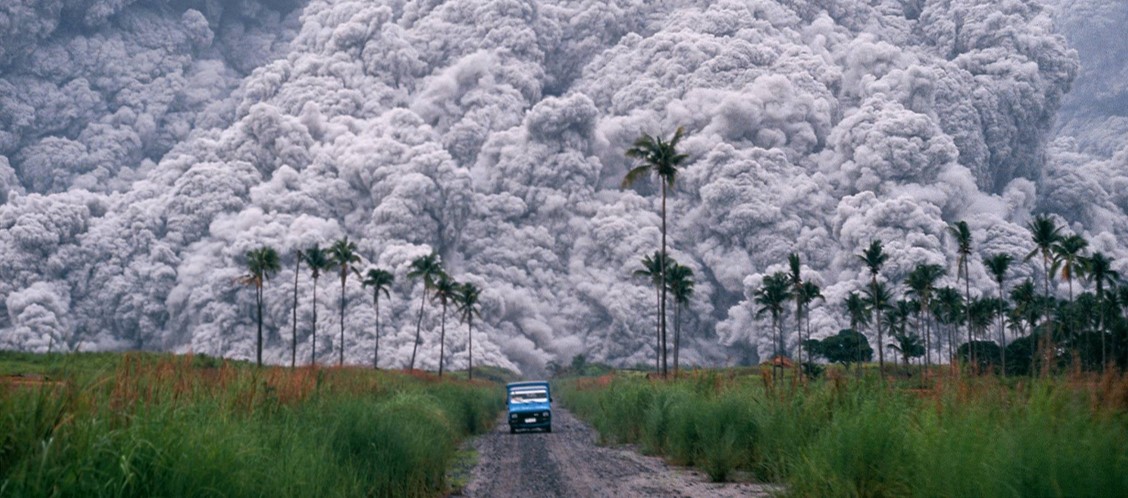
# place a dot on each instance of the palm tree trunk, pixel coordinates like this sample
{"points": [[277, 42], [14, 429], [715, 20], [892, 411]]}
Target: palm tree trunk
{"points": [[658, 333], [664, 261], [880, 337], [470, 342], [967, 314], [677, 335], [442, 340], [294, 321], [1003, 328], [418, 326], [258, 302], [376, 350], [341, 360], [313, 336], [799, 331]]}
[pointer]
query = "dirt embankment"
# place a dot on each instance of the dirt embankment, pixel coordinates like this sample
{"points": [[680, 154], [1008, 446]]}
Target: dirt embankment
{"points": [[568, 463]]}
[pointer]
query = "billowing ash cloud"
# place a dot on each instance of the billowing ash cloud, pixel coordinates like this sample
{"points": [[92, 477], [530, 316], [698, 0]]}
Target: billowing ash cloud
{"points": [[146, 146]]}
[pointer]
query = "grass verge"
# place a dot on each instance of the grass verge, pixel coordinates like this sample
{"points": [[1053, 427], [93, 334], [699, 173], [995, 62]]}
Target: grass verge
{"points": [[864, 438], [153, 425]]}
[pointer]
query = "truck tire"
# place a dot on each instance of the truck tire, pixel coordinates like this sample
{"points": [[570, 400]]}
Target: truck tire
{"points": [[512, 430], [548, 429]]}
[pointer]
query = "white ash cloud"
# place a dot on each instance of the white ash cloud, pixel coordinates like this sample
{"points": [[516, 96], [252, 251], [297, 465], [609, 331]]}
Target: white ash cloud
{"points": [[145, 146]]}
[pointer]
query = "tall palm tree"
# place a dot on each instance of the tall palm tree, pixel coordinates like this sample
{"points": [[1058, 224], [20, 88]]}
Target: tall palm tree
{"points": [[962, 234], [810, 292], [661, 158], [262, 263], [998, 264], [1099, 267], [771, 296], [427, 268], [317, 259], [379, 280], [654, 268], [859, 312], [467, 307], [879, 301], [1044, 232], [345, 257], [681, 287], [795, 277], [874, 258], [446, 292], [294, 320], [922, 284]]}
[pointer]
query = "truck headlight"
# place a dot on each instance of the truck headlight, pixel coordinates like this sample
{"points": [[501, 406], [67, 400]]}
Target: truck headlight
{"points": [[512, 415], [546, 414]]}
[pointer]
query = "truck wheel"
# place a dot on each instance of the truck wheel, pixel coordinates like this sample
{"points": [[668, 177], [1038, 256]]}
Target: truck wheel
{"points": [[512, 430], [548, 429]]}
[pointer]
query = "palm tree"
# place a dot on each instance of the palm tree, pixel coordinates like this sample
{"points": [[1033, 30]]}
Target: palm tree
{"points": [[446, 291], [874, 257], [962, 234], [317, 260], [998, 264], [771, 296], [878, 299], [949, 311], [1045, 233], [1069, 258], [796, 279], [345, 257], [294, 321], [859, 316], [681, 287], [810, 291], [379, 280], [1099, 267], [262, 263], [661, 158], [427, 268], [922, 283], [467, 303], [654, 267]]}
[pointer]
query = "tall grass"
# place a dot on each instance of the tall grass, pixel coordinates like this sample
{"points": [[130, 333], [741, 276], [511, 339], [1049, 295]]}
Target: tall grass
{"points": [[971, 437], [163, 426]]}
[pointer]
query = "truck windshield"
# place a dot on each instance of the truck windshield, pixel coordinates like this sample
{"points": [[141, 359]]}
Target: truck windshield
{"points": [[540, 396]]}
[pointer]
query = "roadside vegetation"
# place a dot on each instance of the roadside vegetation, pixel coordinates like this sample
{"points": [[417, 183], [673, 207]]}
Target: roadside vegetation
{"points": [[842, 436], [162, 425]]}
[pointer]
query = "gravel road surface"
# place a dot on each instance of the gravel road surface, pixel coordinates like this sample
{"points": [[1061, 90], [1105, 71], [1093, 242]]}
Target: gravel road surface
{"points": [[568, 463]]}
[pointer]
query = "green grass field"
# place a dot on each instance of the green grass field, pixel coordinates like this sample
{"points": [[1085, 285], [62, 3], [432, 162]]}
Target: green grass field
{"points": [[974, 437], [160, 425]]}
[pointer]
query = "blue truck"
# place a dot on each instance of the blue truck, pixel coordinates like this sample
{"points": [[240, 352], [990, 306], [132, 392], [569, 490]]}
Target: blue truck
{"points": [[530, 405]]}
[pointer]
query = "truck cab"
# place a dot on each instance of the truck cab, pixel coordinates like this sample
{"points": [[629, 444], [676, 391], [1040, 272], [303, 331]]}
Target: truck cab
{"points": [[530, 405]]}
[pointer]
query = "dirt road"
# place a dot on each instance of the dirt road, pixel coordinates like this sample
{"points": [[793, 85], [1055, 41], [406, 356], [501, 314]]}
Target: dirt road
{"points": [[568, 463]]}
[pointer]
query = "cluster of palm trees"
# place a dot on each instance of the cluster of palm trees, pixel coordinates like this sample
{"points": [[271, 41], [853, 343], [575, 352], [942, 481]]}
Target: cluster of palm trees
{"points": [[661, 158], [342, 255], [678, 284], [1050, 330]]}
